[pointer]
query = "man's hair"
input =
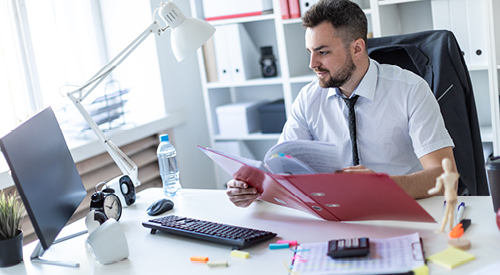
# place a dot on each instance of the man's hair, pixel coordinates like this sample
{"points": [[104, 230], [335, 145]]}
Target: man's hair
{"points": [[346, 17]]}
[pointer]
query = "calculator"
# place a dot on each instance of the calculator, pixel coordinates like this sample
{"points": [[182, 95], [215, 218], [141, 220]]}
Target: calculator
{"points": [[342, 248]]}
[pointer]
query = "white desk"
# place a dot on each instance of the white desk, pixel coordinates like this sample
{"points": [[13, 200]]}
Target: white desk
{"points": [[169, 254]]}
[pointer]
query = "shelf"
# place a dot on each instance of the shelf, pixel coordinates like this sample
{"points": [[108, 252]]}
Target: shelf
{"points": [[477, 68], [303, 78], [486, 133], [242, 19], [248, 83], [394, 2], [253, 136], [292, 21], [384, 17]]}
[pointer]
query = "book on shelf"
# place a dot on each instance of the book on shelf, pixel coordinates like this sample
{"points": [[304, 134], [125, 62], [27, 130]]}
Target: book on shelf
{"points": [[304, 175], [210, 61], [285, 11]]}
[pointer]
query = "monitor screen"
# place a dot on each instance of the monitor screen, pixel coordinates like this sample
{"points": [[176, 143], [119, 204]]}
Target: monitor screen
{"points": [[44, 173]]}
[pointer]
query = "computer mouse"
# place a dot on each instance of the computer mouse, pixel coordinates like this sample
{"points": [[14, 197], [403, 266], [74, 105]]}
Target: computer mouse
{"points": [[159, 207]]}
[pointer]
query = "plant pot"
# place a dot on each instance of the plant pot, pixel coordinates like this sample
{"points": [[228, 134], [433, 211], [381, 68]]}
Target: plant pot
{"points": [[11, 250]]}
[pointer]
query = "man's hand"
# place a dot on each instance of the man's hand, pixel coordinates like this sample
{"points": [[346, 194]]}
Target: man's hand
{"points": [[240, 194], [358, 169]]}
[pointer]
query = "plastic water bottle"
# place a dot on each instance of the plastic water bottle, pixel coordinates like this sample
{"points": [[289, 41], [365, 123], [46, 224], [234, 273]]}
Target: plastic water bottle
{"points": [[169, 172]]}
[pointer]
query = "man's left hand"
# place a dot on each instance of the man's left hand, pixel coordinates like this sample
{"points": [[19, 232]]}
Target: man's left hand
{"points": [[358, 169]]}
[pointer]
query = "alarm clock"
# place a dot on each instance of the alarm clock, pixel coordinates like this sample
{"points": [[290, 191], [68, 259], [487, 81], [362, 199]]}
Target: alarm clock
{"points": [[106, 202]]}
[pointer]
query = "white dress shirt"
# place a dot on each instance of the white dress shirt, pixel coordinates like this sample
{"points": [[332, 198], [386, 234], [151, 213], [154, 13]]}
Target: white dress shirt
{"points": [[397, 120]]}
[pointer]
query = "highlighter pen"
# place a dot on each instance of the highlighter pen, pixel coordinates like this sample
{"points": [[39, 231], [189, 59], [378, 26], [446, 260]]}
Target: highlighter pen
{"points": [[460, 213]]}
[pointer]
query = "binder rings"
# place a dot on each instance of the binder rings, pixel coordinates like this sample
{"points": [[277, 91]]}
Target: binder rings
{"points": [[333, 197]]}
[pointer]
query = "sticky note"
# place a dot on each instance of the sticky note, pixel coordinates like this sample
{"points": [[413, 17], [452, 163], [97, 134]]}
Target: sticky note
{"points": [[292, 243], [217, 263], [240, 254], [451, 257], [423, 270], [278, 245], [201, 259]]}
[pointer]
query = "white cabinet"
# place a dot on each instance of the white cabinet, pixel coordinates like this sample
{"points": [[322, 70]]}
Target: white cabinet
{"points": [[385, 17]]}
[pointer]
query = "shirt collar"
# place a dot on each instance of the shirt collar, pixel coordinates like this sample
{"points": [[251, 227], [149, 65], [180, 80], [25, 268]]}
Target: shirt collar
{"points": [[366, 88]]}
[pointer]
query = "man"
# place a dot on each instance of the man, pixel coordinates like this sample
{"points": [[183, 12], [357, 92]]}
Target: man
{"points": [[399, 129]]}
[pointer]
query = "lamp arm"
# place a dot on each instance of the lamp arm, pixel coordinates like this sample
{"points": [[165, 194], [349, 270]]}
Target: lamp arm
{"points": [[126, 165], [108, 68]]}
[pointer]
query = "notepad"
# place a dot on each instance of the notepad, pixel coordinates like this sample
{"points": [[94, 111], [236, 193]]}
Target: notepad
{"points": [[391, 255], [451, 257]]}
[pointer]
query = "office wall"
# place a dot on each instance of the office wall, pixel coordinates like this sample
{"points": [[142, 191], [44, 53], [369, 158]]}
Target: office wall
{"points": [[182, 90]]}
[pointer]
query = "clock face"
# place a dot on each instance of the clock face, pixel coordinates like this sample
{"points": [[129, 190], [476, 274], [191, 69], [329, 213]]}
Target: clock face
{"points": [[112, 207]]}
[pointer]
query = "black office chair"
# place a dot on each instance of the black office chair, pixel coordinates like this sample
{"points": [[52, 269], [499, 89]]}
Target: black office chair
{"points": [[436, 57]]}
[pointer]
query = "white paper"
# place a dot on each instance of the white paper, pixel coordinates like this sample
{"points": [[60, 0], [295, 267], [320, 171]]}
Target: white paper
{"points": [[398, 254], [288, 166], [302, 157], [321, 157]]}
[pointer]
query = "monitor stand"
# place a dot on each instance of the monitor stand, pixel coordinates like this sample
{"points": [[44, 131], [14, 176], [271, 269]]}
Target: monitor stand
{"points": [[38, 252]]}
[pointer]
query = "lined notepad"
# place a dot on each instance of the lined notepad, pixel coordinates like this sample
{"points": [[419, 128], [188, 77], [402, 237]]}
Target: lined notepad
{"points": [[451, 257]]}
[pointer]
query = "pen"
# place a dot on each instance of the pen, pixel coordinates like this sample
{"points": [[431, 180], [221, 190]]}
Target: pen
{"points": [[460, 212]]}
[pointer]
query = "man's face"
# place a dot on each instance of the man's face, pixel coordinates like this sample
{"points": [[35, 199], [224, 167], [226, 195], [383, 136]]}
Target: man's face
{"points": [[330, 60]]}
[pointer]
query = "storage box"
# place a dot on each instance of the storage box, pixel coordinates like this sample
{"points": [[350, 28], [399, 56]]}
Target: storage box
{"points": [[238, 118], [272, 116]]}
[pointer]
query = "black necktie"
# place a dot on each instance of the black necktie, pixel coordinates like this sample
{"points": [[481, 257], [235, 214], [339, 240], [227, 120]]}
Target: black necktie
{"points": [[352, 128]]}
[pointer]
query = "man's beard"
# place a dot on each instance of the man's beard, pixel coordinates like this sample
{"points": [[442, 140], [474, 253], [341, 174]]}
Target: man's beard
{"points": [[342, 76]]}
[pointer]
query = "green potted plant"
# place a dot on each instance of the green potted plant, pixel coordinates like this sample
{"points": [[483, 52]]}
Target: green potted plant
{"points": [[11, 235]]}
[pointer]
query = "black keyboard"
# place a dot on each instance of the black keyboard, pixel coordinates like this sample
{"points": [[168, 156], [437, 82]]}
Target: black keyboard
{"points": [[238, 237]]}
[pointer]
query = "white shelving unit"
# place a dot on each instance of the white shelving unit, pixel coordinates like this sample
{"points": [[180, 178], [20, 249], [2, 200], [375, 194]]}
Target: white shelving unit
{"points": [[385, 17]]}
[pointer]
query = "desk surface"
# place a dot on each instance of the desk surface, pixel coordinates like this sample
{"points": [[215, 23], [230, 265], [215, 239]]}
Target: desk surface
{"points": [[163, 253]]}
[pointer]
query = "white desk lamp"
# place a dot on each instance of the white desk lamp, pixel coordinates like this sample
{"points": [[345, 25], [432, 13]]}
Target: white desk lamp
{"points": [[188, 34]]}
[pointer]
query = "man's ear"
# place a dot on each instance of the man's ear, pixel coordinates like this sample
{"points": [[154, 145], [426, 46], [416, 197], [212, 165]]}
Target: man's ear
{"points": [[358, 47]]}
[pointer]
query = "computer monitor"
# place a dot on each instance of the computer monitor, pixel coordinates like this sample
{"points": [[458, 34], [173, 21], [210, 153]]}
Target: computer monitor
{"points": [[44, 173]]}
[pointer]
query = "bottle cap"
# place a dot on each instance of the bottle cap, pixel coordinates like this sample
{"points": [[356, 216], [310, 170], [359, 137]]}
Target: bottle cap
{"points": [[163, 138]]}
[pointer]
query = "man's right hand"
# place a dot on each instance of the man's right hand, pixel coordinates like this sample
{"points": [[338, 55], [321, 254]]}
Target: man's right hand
{"points": [[240, 194]]}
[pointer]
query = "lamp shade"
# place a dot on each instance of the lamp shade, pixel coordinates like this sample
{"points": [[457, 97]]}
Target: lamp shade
{"points": [[188, 34]]}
